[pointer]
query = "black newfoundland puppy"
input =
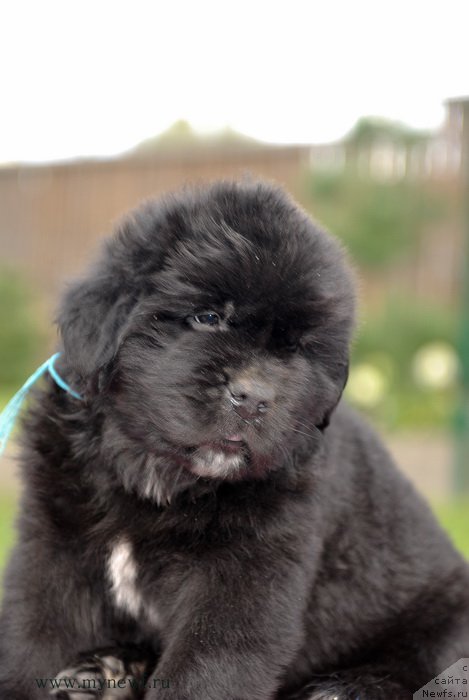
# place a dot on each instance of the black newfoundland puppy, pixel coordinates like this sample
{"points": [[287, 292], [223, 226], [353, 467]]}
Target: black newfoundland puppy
{"points": [[207, 523]]}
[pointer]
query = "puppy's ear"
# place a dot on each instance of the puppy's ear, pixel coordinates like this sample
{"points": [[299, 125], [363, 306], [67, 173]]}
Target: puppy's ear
{"points": [[341, 381], [95, 311], [91, 320]]}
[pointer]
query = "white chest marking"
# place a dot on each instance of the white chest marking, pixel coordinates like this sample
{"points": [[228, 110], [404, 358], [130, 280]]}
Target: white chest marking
{"points": [[123, 574]]}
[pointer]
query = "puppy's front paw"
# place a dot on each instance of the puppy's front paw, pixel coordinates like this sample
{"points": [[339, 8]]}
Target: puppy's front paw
{"points": [[109, 674], [325, 695], [322, 695], [367, 694], [352, 686], [81, 682]]}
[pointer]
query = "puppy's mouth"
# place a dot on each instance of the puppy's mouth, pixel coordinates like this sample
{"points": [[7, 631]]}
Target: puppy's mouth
{"points": [[232, 443], [222, 457]]}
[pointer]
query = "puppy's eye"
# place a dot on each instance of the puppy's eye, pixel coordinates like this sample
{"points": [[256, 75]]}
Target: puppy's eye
{"points": [[208, 319], [292, 346], [286, 341], [205, 320]]}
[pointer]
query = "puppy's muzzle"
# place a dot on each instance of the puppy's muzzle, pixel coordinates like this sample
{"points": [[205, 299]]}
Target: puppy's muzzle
{"points": [[251, 397]]}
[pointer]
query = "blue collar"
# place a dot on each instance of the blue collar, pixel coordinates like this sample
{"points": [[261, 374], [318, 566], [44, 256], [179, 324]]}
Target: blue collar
{"points": [[13, 407], [49, 365]]}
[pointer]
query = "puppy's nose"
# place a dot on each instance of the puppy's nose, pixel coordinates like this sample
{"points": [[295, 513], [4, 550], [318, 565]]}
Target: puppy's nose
{"points": [[250, 397]]}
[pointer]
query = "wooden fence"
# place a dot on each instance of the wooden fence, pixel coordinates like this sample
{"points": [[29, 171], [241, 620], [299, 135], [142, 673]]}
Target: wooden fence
{"points": [[51, 216]]}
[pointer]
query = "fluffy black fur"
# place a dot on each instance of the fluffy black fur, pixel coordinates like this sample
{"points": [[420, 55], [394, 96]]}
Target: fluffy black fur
{"points": [[205, 505]]}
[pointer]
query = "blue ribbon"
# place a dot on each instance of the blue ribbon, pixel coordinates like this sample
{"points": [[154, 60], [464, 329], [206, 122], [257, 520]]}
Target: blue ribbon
{"points": [[13, 407]]}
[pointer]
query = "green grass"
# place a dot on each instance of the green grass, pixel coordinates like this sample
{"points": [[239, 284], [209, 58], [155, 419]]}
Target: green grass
{"points": [[455, 519], [5, 396], [7, 534]]}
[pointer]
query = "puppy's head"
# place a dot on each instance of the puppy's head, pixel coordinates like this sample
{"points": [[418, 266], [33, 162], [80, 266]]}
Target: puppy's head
{"points": [[213, 333]]}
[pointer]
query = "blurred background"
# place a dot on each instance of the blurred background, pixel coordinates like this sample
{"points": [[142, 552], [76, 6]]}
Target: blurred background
{"points": [[361, 112]]}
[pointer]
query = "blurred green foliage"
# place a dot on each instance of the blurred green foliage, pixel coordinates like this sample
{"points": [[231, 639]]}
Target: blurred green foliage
{"points": [[7, 534], [372, 131], [379, 221], [21, 334], [455, 519], [403, 326], [389, 341]]}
